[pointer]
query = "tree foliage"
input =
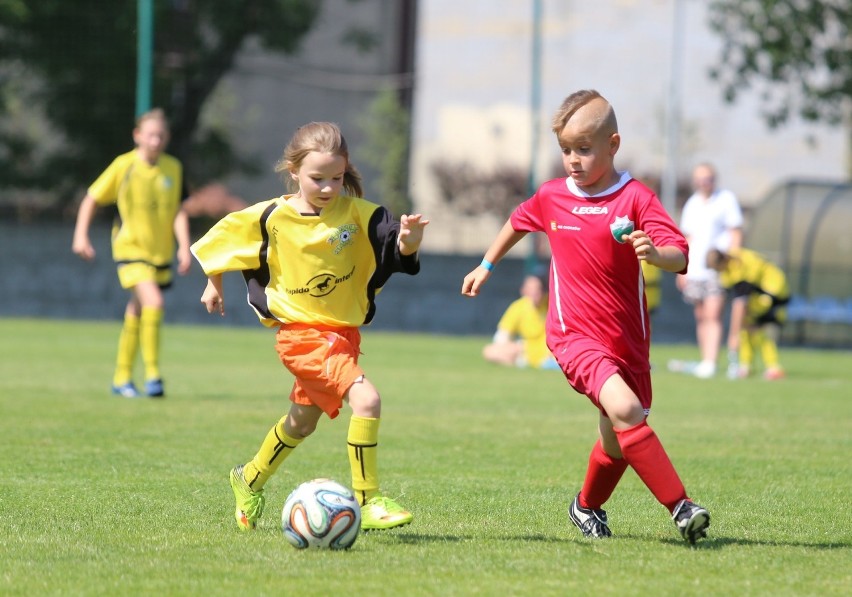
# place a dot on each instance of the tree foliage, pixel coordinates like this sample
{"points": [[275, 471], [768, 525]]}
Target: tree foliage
{"points": [[798, 53], [68, 76], [386, 148]]}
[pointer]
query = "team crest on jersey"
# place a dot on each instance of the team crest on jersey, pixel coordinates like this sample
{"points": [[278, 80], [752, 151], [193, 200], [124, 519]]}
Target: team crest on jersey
{"points": [[342, 237], [621, 226]]}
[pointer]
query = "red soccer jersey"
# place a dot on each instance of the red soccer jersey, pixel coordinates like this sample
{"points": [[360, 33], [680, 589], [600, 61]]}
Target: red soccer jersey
{"points": [[596, 287]]}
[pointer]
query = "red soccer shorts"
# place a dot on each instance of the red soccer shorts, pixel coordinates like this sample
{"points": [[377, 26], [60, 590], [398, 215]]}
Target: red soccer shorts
{"points": [[588, 364]]}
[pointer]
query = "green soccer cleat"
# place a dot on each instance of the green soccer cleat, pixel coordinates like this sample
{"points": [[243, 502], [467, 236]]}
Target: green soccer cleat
{"points": [[249, 503], [381, 512]]}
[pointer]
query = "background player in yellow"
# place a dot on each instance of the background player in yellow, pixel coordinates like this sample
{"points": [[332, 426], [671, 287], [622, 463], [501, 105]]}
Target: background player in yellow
{"points": [[146, 186], [760, 295], [520, 339], [313, 262], [653, 291]]}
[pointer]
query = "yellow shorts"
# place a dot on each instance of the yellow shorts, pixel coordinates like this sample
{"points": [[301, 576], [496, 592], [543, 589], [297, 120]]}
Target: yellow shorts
{"points": [[324, 362], [133, 274]]}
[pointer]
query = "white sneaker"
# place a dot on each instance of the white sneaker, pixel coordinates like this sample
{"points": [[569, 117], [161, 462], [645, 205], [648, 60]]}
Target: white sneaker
{"points": [[705, 370], [679, 366]]}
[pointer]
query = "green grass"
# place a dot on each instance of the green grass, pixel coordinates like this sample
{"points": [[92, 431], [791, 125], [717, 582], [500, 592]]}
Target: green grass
{"points": [[106, 496]]}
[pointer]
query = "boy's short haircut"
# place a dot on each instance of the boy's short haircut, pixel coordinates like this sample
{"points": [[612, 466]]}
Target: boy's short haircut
{"points": [[577, 100]]}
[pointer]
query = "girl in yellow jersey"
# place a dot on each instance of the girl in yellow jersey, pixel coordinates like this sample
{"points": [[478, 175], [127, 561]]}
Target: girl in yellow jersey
{"points": [[146, 185], [313, 262], [520, 338], [758, 310]]}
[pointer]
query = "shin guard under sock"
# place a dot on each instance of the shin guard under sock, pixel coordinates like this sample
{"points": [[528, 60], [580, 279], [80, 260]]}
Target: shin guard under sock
{"points": [[276, 447], [602, 476], [362, 442], [645, 454]]}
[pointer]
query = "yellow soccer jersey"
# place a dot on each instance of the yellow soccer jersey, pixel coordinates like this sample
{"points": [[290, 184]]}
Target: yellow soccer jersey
{"points": [[148, 198], [748, 274], [523, 320], [323, 269], [653, 291]]}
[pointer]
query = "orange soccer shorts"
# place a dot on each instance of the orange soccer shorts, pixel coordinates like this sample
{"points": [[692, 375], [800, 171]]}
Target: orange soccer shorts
{"points": [[324, 361]]}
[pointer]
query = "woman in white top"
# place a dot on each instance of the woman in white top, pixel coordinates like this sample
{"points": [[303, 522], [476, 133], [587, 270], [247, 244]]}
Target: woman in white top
{"points": [[711, 219]]}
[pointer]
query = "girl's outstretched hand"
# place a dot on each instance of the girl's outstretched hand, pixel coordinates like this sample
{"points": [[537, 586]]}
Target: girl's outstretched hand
{"points": [[411, 233]]}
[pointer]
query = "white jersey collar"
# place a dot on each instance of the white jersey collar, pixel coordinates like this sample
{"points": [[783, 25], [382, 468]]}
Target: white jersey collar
{"points": [[624, 178]]}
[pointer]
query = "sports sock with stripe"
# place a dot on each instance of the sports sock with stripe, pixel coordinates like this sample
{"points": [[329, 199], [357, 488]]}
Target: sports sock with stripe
{"points": [[276, 447], [362, 442]]}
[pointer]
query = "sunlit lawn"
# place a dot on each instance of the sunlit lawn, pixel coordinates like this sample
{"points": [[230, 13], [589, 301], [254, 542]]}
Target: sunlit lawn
{"points": [[107, 496]]}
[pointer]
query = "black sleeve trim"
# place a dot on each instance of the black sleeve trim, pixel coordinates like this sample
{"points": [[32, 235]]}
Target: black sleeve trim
{"points": [[258, 279], [383, 232]]}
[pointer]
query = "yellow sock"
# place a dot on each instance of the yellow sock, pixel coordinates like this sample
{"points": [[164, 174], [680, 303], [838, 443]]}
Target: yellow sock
{"points": [[746, 349], [128, 343], [276, 447], [362, 443], [769, 351], [150, 323]]}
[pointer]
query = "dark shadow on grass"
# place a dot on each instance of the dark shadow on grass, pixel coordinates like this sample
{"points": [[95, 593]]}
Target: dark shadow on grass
{"points": [[539, 538], [723, 542], [712, 543], [410, 538]]}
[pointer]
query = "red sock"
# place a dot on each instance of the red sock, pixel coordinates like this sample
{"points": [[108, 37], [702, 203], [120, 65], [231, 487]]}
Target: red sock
{"points": [[602, 476], [645, 454]]}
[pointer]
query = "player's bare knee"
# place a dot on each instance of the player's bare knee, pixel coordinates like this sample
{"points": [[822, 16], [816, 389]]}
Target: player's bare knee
{"points": [[299, 429], [626, 415], [364, 398]]}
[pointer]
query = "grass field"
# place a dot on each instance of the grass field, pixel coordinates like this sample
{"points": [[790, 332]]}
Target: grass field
{"points": [[107, 496]]}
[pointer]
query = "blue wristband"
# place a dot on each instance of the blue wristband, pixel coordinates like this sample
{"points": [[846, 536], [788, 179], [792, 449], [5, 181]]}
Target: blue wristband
{"points": [[487, 265]]}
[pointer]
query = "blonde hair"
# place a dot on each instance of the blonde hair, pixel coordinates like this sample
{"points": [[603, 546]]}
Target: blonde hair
{"points": [[153, 114], [322, 137], [605, 120]]}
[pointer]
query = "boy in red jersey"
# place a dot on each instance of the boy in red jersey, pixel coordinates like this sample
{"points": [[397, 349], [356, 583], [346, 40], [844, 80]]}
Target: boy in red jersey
{"points": [[601, 223]]}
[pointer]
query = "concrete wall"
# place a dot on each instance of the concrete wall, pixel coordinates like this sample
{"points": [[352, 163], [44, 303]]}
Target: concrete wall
{"points": [[473, 100], [265, 97], [42, 278]]}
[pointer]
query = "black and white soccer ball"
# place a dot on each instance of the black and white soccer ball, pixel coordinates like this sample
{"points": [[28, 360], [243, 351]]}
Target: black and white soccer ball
{"points": [[321, 513]]}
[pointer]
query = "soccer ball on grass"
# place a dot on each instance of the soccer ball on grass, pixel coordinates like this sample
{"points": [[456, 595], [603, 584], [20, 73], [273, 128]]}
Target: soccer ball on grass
{"points": [[321, 513]]}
